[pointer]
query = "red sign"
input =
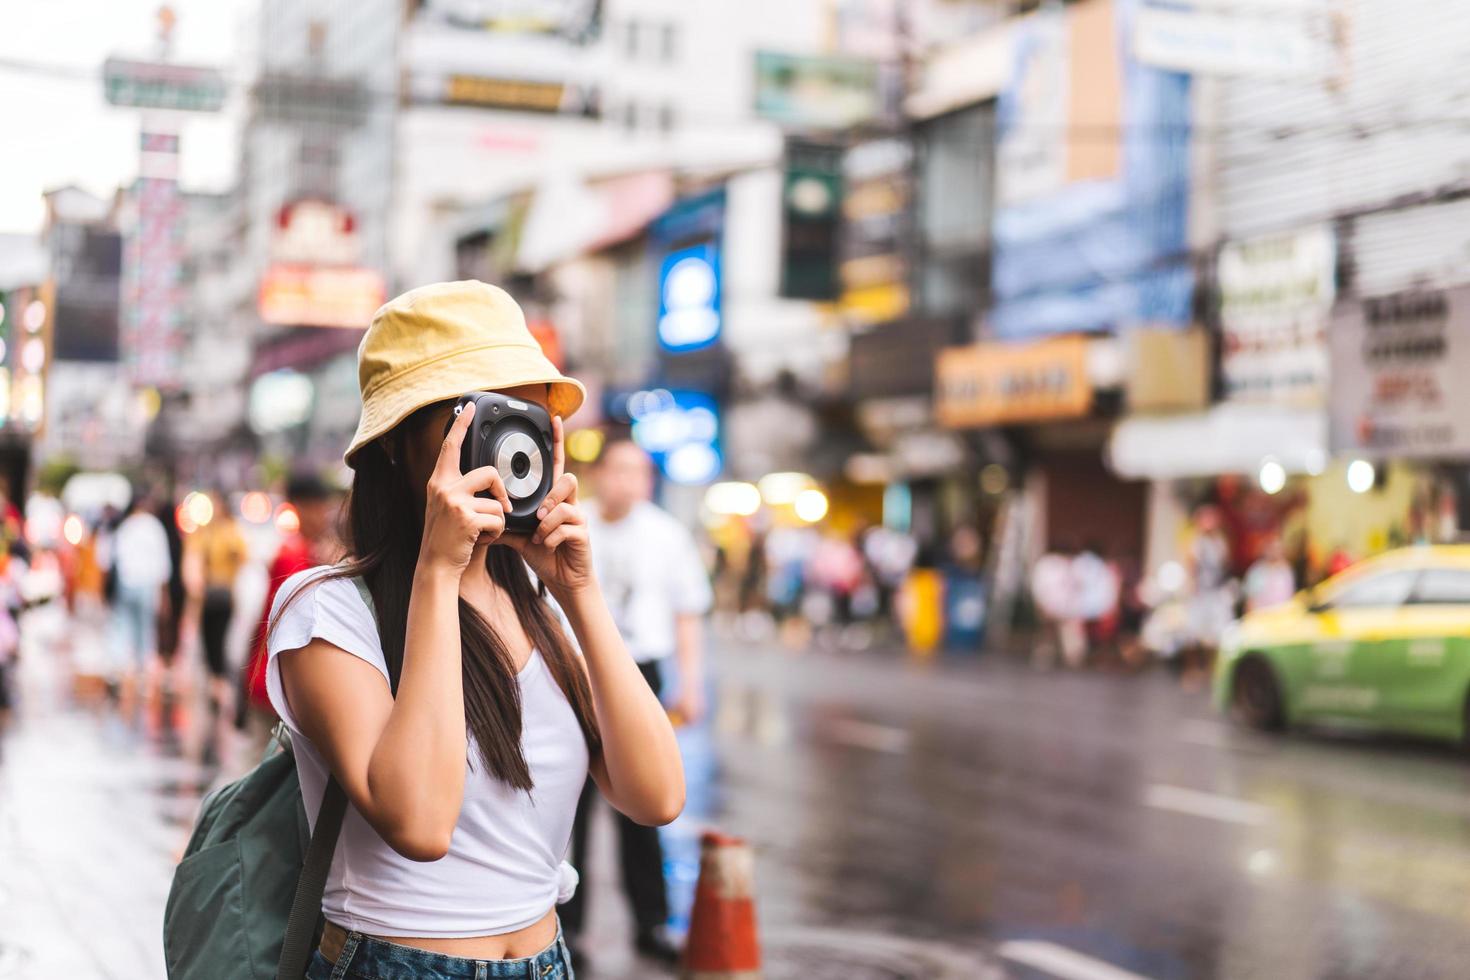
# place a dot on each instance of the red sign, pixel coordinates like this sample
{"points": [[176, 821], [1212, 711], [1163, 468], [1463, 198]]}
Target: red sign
{"points": [[320, 296], [315, 232]]}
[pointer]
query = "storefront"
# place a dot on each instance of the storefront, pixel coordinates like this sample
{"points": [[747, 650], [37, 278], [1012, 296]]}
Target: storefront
{"points": [[1400, 411], [1256, 454], [1051, 401]]}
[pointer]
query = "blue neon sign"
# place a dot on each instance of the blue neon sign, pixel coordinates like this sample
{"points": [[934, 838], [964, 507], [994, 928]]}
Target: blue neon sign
{"points": [[689, 298], [680, 430]]}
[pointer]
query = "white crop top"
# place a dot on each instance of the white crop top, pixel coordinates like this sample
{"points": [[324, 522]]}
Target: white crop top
{"points": [[504, 868]]}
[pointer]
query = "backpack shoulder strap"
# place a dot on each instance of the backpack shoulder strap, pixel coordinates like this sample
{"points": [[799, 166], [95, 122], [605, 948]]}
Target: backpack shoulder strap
{"points": [[306, 905]]}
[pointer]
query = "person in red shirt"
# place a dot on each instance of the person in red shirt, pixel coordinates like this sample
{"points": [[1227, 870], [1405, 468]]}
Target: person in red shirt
{"points": [[313, 543]]}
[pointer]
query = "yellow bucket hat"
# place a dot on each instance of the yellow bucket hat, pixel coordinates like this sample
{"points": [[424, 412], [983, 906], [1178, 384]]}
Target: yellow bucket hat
{"points": [[438, 342]]}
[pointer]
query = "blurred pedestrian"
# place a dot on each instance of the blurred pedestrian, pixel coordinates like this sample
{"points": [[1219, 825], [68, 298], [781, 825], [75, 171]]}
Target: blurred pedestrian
{"points": [[891, 556], [1212, 600], [1270, 580], [751, 596], [788, 550], [143, 565], [171, 608], [12, 576], [1055, 592], [1098, 593], [1339, 561], [314, 504], [658, 591], [105, 538], [213, 556]]}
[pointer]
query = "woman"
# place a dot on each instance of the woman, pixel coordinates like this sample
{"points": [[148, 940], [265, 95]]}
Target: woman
{"points": [[213, 557], [463, 724]]}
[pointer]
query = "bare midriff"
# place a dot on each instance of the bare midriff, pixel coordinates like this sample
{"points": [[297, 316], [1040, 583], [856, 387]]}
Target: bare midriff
{"points": [[506, 946]]}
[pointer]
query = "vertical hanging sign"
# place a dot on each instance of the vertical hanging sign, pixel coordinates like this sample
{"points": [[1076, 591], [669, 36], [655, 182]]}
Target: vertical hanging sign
{"points": [[153, 267]]}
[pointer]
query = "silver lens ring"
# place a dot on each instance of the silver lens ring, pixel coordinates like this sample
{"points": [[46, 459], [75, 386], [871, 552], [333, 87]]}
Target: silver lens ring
{"points": [[511, 445]]}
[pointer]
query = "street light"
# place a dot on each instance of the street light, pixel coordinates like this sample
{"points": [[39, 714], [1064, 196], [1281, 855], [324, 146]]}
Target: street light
{"points": [[1361, 476], [810, 505], [1272, 477], [732, 499], [784, 488]]}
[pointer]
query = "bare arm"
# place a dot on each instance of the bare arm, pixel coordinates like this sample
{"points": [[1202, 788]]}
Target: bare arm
{"points": [[401, 760], [640, 771], [689, 652]]}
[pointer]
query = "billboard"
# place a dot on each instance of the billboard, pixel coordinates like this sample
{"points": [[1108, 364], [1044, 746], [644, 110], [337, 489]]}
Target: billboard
{"points": [[816, 92], [314, 279], [1276, 293], [811, 202], [88, 293], [1002, 384], [557, 96], [159, 85], [24, 314], [153, 290], [1398, 375], [877, 192], [1284, 40], [1092, 181], [324, 296], [575, 21]]}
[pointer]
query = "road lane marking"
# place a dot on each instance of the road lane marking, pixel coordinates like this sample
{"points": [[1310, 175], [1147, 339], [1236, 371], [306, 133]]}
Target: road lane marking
{"points": [[1059, 961], [1209, 805], [1198, 731], [867, 735]]}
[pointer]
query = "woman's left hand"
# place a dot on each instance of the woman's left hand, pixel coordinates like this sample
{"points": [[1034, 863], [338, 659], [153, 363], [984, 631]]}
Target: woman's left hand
{"points": [[558, 550]]}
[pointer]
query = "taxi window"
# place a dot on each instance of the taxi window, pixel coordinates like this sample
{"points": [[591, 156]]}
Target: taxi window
{"points": [[1443, 586], [1376, 591]]}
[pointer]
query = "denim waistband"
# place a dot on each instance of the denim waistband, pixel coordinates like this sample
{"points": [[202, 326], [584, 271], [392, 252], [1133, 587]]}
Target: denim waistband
{"points": [[367, 956]]}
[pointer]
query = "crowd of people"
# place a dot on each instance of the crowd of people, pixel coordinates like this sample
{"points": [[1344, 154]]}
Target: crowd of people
{"points": [[167, 602], [802, 581]]}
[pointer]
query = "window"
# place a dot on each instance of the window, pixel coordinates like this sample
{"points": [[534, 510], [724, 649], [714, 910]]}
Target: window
{"points": [[670, 46], [956, 178], [1443, 586], [1384, 590]]}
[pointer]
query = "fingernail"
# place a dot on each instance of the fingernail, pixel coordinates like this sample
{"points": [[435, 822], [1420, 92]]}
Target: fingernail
{"points": [[541, 513], [536, 539]]}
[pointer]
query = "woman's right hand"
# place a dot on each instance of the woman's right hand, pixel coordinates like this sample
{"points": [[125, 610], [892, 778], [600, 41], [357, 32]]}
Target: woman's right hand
{"points": [[455, 520]]}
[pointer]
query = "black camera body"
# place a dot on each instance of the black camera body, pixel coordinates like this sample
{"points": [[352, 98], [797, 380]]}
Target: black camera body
{"points": [[515, 437]]}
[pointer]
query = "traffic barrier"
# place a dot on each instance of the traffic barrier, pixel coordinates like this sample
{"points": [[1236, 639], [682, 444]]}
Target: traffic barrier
{"points": [[722, 942]]}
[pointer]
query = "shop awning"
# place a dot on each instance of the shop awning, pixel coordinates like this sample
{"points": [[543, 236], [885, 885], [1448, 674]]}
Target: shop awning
{"points": [[1225, 439]]}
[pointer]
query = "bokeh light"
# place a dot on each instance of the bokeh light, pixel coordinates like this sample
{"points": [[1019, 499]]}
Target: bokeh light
{"points": [[810, 505]]}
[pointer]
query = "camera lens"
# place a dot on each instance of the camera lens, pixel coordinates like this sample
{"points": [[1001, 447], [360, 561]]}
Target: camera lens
{"points": [[520, 464]]}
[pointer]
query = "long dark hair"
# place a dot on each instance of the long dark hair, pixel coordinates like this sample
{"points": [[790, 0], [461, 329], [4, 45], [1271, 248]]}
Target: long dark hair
{"points": [[382, 527]]}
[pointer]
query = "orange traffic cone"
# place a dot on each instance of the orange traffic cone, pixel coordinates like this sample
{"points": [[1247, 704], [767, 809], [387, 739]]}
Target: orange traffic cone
{"points": [[722, 943]]}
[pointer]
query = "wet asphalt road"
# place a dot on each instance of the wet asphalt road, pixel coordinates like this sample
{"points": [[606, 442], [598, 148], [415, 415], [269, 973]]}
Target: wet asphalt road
{"points": [[1073, 823], [964, 819]]}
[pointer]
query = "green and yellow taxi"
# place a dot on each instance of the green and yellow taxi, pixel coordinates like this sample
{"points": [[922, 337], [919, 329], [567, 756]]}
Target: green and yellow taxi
{"points": [[1385, 644]]}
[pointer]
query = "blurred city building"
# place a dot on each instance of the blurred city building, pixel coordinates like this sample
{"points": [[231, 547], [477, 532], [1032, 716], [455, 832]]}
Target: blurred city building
{"points": [[1056, 273]]}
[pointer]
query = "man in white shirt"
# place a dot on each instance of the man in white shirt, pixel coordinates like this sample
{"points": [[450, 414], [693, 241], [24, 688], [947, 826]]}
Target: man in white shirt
{"points": [[658, 590], [142, 564]]}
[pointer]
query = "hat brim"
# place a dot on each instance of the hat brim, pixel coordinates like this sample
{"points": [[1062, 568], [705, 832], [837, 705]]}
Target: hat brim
{"points": [[484, 369]]}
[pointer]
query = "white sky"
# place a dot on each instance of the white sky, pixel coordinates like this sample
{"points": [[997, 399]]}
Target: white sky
{"points": [[60, 130]]}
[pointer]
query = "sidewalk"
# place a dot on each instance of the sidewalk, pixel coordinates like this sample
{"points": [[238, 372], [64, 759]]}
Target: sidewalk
{"points": [[95, 811]]}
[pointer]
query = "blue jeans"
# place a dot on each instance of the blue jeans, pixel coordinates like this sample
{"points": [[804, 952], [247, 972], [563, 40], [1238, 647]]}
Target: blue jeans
{"points": [[135, 624], [366, 958]]}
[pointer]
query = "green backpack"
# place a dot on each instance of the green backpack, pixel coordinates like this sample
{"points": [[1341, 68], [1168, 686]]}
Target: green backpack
{"points": [[246, 899]]}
